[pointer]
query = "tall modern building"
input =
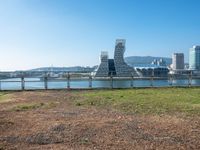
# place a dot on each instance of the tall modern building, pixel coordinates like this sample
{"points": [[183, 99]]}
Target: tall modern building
{"points": [[103, 67], [178, 61], [194, 58], [117, 66], [122, 69]]}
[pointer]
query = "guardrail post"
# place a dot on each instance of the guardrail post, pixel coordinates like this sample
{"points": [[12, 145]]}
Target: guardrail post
{"points": [[68, 80], [170, 79], [190, 79], [132, 78], [152, 76], [22, 82], [90, 81], [111, 80], [45, 82]]}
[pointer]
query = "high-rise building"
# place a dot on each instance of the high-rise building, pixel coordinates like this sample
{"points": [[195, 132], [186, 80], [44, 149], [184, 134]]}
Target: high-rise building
{"points": [[103, 68], [117, 66], [194, 58], [178, 61], [122, 69]]}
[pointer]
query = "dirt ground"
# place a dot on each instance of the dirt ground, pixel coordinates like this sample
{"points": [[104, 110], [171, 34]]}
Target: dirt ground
{"points": [[55, 122]]}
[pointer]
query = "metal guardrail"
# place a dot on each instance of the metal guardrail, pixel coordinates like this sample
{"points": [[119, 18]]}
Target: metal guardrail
{"points": [[90, 81]]}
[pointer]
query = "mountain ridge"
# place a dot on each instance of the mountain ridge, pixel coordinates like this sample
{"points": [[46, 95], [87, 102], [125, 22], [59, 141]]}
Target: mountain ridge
{"points": [[131, 60]]}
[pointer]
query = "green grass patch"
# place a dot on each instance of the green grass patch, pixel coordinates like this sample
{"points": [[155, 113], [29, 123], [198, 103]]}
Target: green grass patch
{"points": [[2, 146], [145, 101], [32, 106], [4, 97], [24, 107]]}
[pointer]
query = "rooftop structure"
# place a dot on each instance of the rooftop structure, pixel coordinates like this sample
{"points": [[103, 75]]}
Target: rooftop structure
{"points": [[160, 62]]}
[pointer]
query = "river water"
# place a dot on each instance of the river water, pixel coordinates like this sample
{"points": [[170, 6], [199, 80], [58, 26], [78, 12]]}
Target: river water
{"points": [[36, 83]]}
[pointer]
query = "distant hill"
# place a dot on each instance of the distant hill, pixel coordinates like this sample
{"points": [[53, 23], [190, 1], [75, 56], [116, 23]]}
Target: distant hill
{"points": [[67, 69], [138, 60], [131, 60]]}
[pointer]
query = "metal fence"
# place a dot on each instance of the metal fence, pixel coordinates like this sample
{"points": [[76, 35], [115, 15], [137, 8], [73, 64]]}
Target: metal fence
{"points": [[86, 81]]}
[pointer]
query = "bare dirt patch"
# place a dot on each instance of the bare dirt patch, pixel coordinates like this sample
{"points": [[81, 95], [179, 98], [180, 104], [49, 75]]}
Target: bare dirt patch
{"points": [[65, 125]]}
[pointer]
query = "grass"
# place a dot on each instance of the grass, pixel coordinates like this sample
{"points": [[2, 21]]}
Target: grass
{"points": [[32, 106], [2, 147], [24, 107], [146, 101], [4, 97]]}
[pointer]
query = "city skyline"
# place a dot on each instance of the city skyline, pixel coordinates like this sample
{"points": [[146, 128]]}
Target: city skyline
{"points": [[37, 33]]}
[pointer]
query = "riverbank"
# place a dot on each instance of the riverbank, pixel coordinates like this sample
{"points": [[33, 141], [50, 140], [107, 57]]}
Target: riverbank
{"points": [[158, 118]]}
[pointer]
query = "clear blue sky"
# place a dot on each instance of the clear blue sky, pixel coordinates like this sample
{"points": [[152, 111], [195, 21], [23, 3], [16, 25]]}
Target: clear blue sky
{"points": [[37, 33]]}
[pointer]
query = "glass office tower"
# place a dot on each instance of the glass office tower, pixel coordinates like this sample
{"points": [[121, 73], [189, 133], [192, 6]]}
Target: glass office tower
{"points": [[194, 58]]}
